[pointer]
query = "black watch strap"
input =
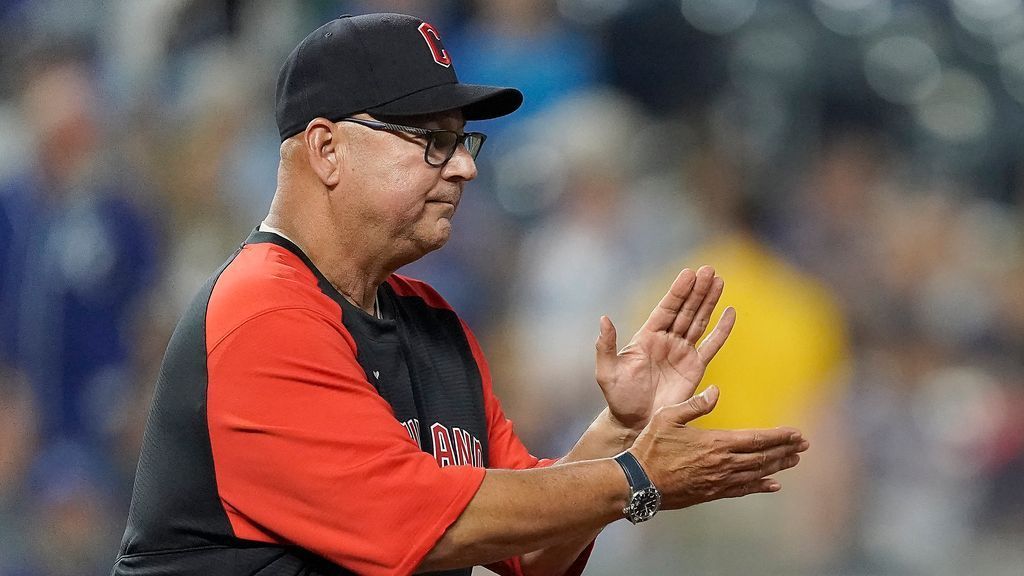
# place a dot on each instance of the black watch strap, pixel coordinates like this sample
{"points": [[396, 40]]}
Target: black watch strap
{"points": [[635, 474]]}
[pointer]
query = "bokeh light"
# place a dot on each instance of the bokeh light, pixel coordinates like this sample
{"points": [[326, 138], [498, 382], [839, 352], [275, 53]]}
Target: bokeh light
{"points": [[718, 16], [853, 17], [959, 109], [902, 69]]}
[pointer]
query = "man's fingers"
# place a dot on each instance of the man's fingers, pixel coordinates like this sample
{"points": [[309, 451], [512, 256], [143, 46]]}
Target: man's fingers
{"points": [[770, 467], [664, 314], [694, 407], [742, 441], [759, 460], [605, 347], [755, 487], [687, 311], [714, 342], [702, 318]]}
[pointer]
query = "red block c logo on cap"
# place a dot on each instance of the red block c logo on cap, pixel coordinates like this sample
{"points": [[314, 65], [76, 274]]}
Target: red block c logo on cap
{"points": [[434, 43]]}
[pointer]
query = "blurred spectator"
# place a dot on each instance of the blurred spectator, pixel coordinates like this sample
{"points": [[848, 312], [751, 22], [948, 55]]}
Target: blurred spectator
{"points": [[18, 424], [784, 364], [1003, 509], [75, 253], [780, 305], [203, 151], [918, 513], [523, 43], [71, 529], [908, 263], [573, 267]]}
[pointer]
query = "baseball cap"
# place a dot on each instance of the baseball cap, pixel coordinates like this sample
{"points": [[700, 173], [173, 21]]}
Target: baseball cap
{"points": [[386, 64]]}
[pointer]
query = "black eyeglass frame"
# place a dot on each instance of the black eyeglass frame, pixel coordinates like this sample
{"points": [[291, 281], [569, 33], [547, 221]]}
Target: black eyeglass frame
{"points": [[430, 135]]}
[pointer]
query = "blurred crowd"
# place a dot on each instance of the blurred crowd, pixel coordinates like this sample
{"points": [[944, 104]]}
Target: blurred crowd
{"points": [[853, 168]]}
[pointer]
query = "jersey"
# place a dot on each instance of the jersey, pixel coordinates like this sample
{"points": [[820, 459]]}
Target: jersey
{"points": [[292, 433]]}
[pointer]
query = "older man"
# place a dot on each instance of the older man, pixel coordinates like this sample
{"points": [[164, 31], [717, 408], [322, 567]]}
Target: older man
{"points": [[318, 414]]}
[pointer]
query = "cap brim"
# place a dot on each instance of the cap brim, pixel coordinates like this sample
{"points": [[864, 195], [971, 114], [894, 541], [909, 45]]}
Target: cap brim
{"points": [[477, 102]]}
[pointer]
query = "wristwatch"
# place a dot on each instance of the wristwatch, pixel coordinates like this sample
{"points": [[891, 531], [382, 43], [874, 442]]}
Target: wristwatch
{"points": [[644, 497]]}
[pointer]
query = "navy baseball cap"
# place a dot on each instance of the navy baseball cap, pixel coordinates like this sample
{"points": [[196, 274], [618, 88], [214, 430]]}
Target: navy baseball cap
{"points": [[386, 64]]}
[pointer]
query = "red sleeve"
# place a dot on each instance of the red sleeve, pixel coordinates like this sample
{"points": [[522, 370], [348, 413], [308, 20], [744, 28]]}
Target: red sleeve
{"points": [[507, 451], [306, 452]]}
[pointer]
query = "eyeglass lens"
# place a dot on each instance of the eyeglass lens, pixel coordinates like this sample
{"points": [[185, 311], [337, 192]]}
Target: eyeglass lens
{"points": [[443, 143]]}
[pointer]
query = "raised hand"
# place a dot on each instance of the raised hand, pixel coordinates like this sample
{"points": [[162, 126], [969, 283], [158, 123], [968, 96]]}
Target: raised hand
{"points": [[663, 364]]}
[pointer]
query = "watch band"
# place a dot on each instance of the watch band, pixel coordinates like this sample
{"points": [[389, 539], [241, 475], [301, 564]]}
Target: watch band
{"points": [[644, 497], [635, 474]]}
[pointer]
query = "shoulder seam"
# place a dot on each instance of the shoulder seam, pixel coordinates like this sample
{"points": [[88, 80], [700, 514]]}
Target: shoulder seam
{"points": [[334, 322]]}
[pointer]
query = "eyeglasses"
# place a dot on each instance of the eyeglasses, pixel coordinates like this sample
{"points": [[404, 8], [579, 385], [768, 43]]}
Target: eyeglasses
{"points": [[441, 144]]}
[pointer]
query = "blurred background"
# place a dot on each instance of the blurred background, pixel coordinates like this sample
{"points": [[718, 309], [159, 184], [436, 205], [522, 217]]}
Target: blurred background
{"points": [[853, 168]]}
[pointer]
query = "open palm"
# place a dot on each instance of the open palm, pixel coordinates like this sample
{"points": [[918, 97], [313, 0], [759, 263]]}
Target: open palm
{"points": [[663, 363]]}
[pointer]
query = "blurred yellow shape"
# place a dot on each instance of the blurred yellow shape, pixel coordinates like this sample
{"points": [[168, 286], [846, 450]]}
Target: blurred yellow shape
{"points": [[788, 348]]}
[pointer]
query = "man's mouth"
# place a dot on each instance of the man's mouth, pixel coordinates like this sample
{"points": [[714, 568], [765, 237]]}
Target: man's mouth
{"points": [[450, 202]]}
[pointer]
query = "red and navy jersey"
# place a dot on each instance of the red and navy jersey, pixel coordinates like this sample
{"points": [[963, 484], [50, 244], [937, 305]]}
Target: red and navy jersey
{"points": [[292, 433]]}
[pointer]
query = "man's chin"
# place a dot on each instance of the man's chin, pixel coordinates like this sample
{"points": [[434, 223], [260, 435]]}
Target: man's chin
{"points": [[441, 233], [439, 241], [426, 245]]}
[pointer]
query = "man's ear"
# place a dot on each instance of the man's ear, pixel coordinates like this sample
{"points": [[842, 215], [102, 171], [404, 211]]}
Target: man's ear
{"points": [[324, 150]]}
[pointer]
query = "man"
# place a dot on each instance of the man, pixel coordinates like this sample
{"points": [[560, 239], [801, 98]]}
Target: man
{"points": [[318, 414]]}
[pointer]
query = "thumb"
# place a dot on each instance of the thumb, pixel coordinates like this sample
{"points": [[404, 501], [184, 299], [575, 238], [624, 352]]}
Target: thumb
{"points": [[694, 407], [606, 351]]}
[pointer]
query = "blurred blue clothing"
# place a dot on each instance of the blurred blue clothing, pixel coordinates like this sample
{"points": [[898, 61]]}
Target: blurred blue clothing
{"points": [[7, 7], [71, 272], [553, 62]]}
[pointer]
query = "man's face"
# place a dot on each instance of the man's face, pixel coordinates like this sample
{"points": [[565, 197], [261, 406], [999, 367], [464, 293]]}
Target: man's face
{"points": [[403, 200]]}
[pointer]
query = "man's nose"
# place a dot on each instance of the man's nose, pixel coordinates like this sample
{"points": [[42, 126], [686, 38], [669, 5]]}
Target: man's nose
{"points": [[461, 166]]}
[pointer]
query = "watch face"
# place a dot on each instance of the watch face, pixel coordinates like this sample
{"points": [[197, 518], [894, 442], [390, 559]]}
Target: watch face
{"points": [[643, 504]]}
